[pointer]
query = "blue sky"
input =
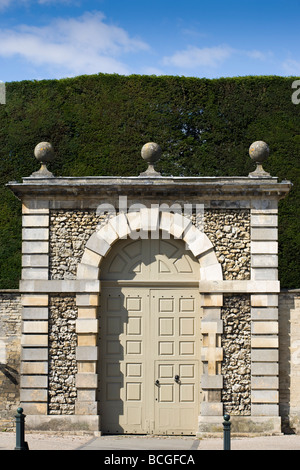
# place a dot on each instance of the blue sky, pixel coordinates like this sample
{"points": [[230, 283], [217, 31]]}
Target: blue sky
{"points": [[44, 39]]}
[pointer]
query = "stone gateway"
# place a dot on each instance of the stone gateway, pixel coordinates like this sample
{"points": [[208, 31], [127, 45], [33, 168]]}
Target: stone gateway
{"points": [[154, 316]]}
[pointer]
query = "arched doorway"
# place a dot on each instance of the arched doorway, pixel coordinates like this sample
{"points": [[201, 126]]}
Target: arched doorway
{"points": [[149, 364]]}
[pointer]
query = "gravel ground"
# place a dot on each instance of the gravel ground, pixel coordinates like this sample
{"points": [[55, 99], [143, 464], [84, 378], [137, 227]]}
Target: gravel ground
{"points": [[65, 441]]}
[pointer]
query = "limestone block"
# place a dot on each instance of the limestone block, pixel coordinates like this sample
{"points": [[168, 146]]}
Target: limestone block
{"points": [[214, 271], [120, 225], [264, 341], [211, 382], [211, 314], [134, 221], [264, 396], [34, 354], [150, 220], [33, 261], [190, 235], [35, 220], [86, 271], [86, 408], [264, 382], [166, 221], [34, 381], [269, 247], [33, 409], [264, 368], [86, 395], [264, 300], [108, 234], [87, 312], [264, 410], [87, 300], [86, 353], [35, 247], [211, 300], [264, 233], [264, 313], [98, 244], [87, 366], [35, 327], [33, 395], [264, 355], [215, 327], [91, 258], [35, 313], [266, 220], [181, 224], [35, 233], [263, 274], [264, 261], [34, 300], [35, 206], [35, 273], [262, 205], [56, 286], [200, 245], [31, 368], [264, 327], [208, 258], [211, 409], [86, 326], [86, 380], [34, 340]]}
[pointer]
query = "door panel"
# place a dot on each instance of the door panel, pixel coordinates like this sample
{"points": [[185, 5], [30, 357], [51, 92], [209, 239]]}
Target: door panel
{"points": [[122, 360], [176, 321]]}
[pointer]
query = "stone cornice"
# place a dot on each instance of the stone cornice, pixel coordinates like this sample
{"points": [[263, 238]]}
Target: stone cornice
{"points": [[204, 187]]}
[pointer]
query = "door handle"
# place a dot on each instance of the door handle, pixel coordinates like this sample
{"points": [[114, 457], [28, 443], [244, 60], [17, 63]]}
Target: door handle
{"points": [[157, 383], [177, 379]]}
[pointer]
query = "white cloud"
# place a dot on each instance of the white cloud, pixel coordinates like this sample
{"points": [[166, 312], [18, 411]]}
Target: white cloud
{"points": [[75, 46], [193, 57], [4, 4], [292, 67], [211, 57]]}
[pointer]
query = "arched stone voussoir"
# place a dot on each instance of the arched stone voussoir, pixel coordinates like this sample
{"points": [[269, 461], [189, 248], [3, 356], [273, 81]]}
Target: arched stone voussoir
{"points": [[180, 225], [147, 220], [152, 220], [212, 272], [87, 271], [120, 225], [98, 244], [199, 245]]}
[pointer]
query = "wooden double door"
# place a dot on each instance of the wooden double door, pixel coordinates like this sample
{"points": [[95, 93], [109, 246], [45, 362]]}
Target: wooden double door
{"points": [[149, 377], [149, 339]]}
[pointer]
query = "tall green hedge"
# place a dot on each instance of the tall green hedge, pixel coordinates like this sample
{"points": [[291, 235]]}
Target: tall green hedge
{"points": [[98, 124]]}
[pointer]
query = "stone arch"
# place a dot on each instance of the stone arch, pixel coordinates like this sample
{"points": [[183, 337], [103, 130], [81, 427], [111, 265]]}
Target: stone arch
{"points": [[137, 224]]}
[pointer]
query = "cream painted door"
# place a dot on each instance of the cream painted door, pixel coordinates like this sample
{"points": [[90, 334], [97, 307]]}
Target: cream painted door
{"points": [[149, 334], [149, 337], [124, 323]]}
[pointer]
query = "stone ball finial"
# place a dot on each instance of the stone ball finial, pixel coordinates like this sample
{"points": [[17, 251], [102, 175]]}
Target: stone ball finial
{"points": [[44, 152], [259, 152], [151, 153]]}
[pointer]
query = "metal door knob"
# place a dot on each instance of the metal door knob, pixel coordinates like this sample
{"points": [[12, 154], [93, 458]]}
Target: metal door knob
{"points": [[176, 378]]}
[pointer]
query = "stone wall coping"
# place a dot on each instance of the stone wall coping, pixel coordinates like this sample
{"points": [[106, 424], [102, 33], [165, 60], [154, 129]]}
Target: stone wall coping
{"points": [[216, 186]]}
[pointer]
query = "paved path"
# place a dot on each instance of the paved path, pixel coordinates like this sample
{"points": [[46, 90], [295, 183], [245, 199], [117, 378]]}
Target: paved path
{"points": [[61, 441]]}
